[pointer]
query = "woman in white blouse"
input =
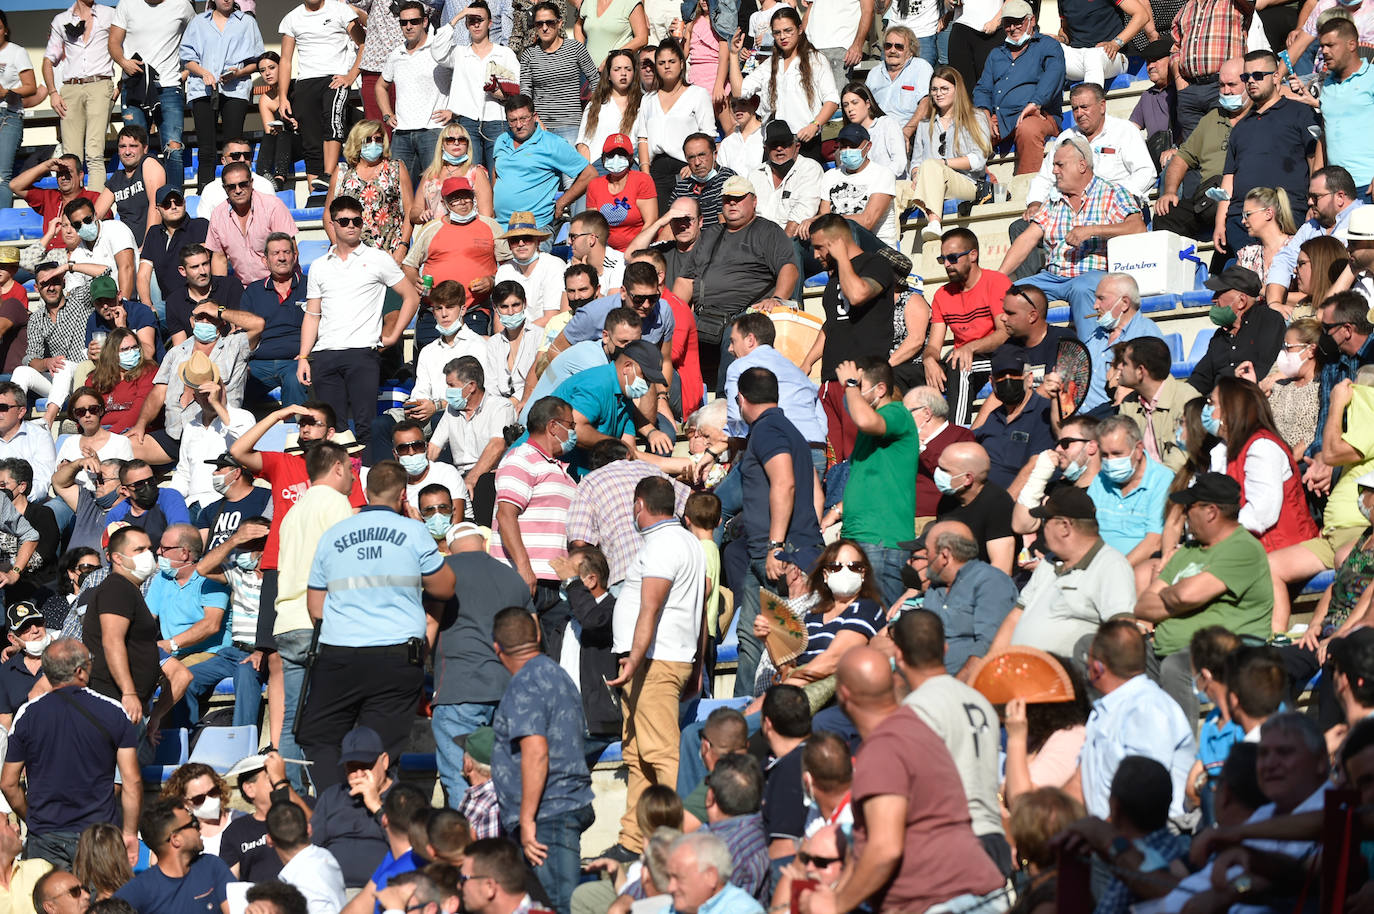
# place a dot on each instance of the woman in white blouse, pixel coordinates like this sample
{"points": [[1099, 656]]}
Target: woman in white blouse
{"points": [[949, 152], [514, 347], [613, 108], [667, 117], [889, 145], [797, 86]]}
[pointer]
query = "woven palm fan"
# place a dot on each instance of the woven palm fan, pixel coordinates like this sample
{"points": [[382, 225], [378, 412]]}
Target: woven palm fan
{"points": [[796, 331], [1027, 673], [786, 633]]}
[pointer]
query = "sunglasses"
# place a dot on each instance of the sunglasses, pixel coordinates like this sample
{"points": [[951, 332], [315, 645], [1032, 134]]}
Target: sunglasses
{"points": [[952, 258], [818, 862], [456, 139], [197, 799], [307, 422], [81, 412], [852, 566], [241, 185], [89, 220], [194, 823], [6, 407], [646, 64], [644, 299], [170, 201], [410, 447], [143, 484], [545, 23], [349, 221], [1067, 442], [1255, 76], [87, 566], [732, 199], [893, 46], [375, 138], [236, 156], [941, 151], [73, 892], [405, 22]]}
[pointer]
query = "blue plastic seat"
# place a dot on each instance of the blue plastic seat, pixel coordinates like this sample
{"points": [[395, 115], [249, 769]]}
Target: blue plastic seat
{"points": [[19, 224], [275, 438], [817, 281], [310, 251], [1175, 341], [1061, 314], [1199, 348], [172, 752], [1319, 582], [1166, 302], [193, 206], [221, 747]]}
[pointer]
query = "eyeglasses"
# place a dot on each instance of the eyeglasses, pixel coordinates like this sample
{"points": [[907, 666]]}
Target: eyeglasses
{"points": [[852, 566], [545, 23], [1255, 76], [952, 258], [1313, 198], [163, 550], [1247, 214], [241, 185], [893, 46], [644, 299], [81, 412], [88, 566], [405, 22], [348, 221], [818, 862], [197, 799], [240, 156], [410, 447]]}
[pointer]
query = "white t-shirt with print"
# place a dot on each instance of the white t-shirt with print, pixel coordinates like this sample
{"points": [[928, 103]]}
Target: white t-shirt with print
{"points": [[323, 45], [848, 195], [14, 60]]}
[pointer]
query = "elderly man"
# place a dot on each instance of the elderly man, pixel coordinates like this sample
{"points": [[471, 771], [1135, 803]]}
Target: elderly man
{"points": [[28, 636], [703, 179], [1129, 490], [1156, 113], [1116, 307], [966, 495], [683, 224], [69, 743], [270, 313], [1155, 398], [699, 871], [903, 80], [1249, 331], [1333, 197], [821, 858], [970, 597], [1075, 229], [1206, 34], [1021, 87], [787, 183], [459, 245], [930, 409], [234, 149], [240, 225], [473, 426]]}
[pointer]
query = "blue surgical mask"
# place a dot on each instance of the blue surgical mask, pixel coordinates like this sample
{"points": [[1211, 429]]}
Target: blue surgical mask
{"points": [[247, 561], [511, 321], [438, 524], [944, 481], [1210, 421], [1073, 471], [129, 359], [165, 567], [709, 175], [637, 388], [616, 164], [1230, 103], [371, 152], [528, 260], [456, 401], [451, 159], [1118, 469], [205, 332], [450, 330], [106, 502], [1108, 320], [850, 159], [414, 464], [89, 232], [570, 442], [1027, 35]]}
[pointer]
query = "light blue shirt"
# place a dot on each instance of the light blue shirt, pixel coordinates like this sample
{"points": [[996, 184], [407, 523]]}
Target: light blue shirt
{"points": [[589, 323], [576, 358], [217, 51], [1124, 519], [33, 442], [1137, 718], [1285, 262], [1100, 353], [371, 567], [1345, 117], [527, 177], [730, 900], [971, 609], [900, 97], [179, 606], [798, 395]]}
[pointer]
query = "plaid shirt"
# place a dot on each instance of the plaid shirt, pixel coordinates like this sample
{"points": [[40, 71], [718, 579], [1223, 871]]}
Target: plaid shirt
{"points": [[1166, 848], [65, 337], [1206, 34], [480, 808], [748, 845], [1102, 204], [600, 512]]}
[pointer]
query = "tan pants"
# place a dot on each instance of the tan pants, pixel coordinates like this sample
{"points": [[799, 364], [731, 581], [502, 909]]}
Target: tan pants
{"points": [[1031, 135], [935, 182], [83, 129], [650, 736]]}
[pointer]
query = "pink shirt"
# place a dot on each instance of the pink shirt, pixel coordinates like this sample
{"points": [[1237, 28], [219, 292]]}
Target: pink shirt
{"points": [[88, 55], [703, 54], [542, 491], [266, 214]]}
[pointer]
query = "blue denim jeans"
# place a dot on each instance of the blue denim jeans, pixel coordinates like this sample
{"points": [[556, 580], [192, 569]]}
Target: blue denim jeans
{"points": [[227, 664], [1077, 291], [887, 570], [11, 135], [935, 48], [273, 373], [562, 868], [414, 149], [452, 720], [750, 648], [293, 647], [483, 135], [170, 128]]}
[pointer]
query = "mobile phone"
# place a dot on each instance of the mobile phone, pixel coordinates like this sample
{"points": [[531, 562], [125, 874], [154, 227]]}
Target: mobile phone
{"points": [[615, 696]]}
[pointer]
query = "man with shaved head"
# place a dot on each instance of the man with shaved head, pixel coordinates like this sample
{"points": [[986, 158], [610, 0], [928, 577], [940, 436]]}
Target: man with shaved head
{"points": [[914, 845], [930, 409], [961, 475], [970, 597]]}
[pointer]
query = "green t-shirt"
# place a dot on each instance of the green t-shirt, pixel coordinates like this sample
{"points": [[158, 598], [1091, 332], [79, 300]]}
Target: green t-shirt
{"points": [[1245, 608], [880, 496], [1342, 509]]}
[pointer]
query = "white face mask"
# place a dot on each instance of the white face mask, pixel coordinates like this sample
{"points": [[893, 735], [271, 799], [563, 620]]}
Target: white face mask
{"points": [[207, 810], [143, 565], [844, 583], [36, 648]]}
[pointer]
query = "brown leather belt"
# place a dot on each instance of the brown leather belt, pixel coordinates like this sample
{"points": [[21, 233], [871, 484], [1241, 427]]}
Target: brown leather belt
{"points": [[84, 80]]}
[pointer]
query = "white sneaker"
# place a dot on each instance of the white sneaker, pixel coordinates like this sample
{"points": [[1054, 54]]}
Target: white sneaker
{"points": [[932, 231]]}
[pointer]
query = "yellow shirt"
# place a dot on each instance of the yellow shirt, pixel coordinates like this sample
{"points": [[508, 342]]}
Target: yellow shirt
{"points": [[18, 898], [712, 576], [320, 508]]}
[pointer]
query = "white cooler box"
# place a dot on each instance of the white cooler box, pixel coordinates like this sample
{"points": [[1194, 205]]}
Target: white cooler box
{"points": [[1152, 259]]}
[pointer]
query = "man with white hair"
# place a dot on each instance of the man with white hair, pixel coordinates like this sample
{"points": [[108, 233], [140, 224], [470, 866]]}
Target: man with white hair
{"points": [[1116, 305], [930, 409], [1074, 230], [699, 868]]}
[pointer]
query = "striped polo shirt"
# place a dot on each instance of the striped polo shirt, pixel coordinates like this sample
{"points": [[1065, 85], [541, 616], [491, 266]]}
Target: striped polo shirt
{"points": [[542, 491]]}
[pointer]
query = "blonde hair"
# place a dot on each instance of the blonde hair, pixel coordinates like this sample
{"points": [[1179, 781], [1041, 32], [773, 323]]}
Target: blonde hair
{"points": [[1277, 200], [436, 163], [353, 146], [965, 118]]}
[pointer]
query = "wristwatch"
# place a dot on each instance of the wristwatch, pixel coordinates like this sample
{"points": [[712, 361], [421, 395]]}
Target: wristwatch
{"points": [[851, 382]]}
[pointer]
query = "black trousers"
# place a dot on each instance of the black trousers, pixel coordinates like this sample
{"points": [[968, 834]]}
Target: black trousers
{"points": [[377, 687], [969, 50], [321, 113], [483, 496], [275, 154], [348, 379], [664, 169], [210, 113]]}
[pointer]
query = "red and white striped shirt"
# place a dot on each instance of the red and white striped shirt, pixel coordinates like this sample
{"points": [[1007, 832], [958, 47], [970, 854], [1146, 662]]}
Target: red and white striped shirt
{"points": [[542, 491]]}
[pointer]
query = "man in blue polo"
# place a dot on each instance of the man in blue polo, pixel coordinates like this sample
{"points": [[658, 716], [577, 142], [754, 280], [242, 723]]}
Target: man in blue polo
{"points": [[1129, 491], [1347, 98], [1116, 307], [1018, 427], [270, 312], [529, 164], [365, 591], [191, 611], [615, 400]]}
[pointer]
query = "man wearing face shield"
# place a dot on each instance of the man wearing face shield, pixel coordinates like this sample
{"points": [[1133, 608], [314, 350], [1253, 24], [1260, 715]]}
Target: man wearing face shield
{"points": [[28, 635]]}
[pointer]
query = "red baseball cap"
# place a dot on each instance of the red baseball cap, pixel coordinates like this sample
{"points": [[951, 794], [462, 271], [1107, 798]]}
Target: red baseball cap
{"points": [[617, 141], [455, 186]]}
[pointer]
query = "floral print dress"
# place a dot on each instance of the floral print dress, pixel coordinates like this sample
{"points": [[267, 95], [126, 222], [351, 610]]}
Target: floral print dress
{"points": [[383, 215]]}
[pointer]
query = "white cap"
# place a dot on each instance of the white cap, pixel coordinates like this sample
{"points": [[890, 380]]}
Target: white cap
{"points": [[1366, 481]]}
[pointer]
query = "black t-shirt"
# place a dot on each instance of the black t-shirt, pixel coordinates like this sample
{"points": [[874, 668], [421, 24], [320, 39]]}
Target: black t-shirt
{"points": [[1270, 149], [244, 843], [857, 331], [15, 683], [1041, 357], [784, 807], [118, 596], [163, 250], [988, 515], [224, 290], [221, 518]]}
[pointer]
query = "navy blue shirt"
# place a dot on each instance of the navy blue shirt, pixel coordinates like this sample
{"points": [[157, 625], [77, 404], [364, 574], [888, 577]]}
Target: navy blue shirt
{"points": [[203, 888], [1010, 446], [1270, 149], [163, 250], [137, 316], [221, 518], [1089, 22], [15, 683], [342, 825], [1009, 84], [770, 435], [281, 338], [224, 290]]}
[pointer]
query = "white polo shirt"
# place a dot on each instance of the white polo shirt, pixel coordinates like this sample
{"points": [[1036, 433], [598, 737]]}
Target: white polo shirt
{"points": [[323, 45], [351, 292], [543, 287], [669, 552], [439, 474], [468, 438]]}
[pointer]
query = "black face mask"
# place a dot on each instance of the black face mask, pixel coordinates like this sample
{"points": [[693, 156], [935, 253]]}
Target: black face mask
{"points": [[1010, 391], [145, 494], [1327, 349], [75, 30], [781, 168], [911, 578], [574, 304]]}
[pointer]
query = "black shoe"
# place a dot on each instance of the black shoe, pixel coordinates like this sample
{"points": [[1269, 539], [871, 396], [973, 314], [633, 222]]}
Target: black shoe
{"points": [[619, 853], [901, 264], [319, 186]]}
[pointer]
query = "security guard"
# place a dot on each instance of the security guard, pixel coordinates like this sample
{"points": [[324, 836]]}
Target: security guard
{"points": [[365, 593]]}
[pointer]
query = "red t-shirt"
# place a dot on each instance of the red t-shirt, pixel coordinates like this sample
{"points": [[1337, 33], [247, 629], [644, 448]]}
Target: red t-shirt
{"points": [[47, 202], [286, 475], [686, 355], [971, 313], [622, 210], [942, 858], [462, 253], [14, 307], [125, 400]]}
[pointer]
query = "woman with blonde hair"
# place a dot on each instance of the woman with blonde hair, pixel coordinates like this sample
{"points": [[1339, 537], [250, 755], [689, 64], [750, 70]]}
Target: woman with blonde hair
{"points": [[452, 159], [1267, 216], [1292, 395], [371, 175], [102, 860], [949, 153]]}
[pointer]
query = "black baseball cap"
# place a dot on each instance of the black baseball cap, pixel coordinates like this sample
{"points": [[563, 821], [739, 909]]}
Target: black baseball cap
{"points": [[225, 460], [1242, 279], [777, 133], [1210, 489], [647, 356], [1066, 501], [1008, 358]]}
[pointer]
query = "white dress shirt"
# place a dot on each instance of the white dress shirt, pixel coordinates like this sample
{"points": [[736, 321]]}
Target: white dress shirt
{"points": [[1267, 468], [792, 105], [797, 199], [86, 56], [1119, 156], [470, 73], [430, 382], [467, 437], [33, 442]]}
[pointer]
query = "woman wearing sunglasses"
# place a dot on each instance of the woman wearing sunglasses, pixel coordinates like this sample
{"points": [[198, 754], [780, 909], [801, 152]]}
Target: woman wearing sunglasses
{"points": [[87, 409], [949, 153], [204, 794]]}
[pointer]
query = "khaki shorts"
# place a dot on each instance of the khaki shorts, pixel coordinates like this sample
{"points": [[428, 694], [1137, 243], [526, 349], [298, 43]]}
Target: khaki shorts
{"points": [[1331, 542]]}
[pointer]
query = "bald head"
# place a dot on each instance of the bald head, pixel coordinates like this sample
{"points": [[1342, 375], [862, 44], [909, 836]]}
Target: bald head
{"points": [[948, 528], [966, 457], [865, 678], [1232, 68]]}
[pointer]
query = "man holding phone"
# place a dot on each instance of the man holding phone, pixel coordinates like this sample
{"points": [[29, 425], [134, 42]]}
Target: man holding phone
{"points": [[47, 202]]}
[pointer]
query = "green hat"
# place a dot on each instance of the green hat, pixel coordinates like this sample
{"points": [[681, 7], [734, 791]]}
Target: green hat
{"points": [[478, 744], [103, 287]]}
